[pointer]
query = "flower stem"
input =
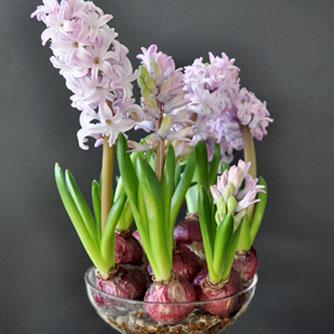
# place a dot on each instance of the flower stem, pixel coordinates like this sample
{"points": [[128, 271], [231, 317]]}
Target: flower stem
{"points": [[250, 156], [249, 150], [160, 159], [107, 179]]}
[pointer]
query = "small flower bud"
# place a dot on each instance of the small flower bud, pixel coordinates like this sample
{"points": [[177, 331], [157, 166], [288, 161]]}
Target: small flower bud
{"points": [[228, 191], [140, 81], [146, 94], [143, 72], [154, 68], [221, 210], [165, 126], [149, 81], [231, 205]]}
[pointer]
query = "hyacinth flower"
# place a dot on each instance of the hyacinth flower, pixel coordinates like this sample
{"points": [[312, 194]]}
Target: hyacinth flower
{"points": [[155, 206], [163, 104], [223, 221], [98, 72], [210, 88], [225, 113], [236, 191], [220, 241]]}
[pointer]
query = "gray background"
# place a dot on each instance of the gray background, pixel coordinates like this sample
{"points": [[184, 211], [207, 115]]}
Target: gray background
{"points": [[285, 52]]}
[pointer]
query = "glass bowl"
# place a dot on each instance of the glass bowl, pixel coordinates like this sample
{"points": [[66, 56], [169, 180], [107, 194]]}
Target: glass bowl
{"points": [[129, 316]]}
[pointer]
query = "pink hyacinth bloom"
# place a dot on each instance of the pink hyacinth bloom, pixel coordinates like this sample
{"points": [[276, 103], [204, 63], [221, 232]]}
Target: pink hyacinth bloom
{"points": [[211, 89], [95, 67], [164, 101], [253, 113], [221, 107], [238, 183], [110, 123]]}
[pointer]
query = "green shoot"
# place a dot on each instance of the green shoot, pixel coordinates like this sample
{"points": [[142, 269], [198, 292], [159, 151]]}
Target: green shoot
{"points": [[99, 248], [154, 204], [205, 174], [219, 241]]}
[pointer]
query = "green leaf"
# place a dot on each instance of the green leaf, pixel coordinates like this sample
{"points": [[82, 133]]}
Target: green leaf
{"points": [[127, 171], [71, 209], [177, 174], [108, 237], [142, 211], [168, 190], [259, 211], [119, 189], [132, 190], [96, 200], [155, 209], [204, 219], [230, 254], [120, 186], [192, 199], [81, 205], [144, 233], [244, 241], [213, 172], [182, 187], [126, 218], [202, 165], [224, 166], [223, 236]]}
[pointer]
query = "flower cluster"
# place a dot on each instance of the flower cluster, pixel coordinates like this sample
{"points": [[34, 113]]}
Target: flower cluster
{"points": [[235, 191], [162, 89], [220, 106], [95, 66], [252, 113]]}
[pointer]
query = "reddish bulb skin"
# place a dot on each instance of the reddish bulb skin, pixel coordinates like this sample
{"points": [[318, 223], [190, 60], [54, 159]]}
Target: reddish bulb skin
{"points": [[174, 291], [125, 283], [127, 249], [185, 263], [246, 264], [135, 234], [200, 277], [223, 307], [188, 230]]}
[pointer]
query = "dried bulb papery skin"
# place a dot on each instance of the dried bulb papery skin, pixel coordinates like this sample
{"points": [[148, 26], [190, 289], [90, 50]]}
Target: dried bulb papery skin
{"points": [[176, 290]]}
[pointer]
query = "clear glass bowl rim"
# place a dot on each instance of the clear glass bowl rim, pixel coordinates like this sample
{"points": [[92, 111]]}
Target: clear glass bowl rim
{"points": [[141, 302]]}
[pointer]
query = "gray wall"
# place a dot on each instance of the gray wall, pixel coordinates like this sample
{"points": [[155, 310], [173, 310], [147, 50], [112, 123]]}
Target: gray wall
{"points": [[285, 51]]}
